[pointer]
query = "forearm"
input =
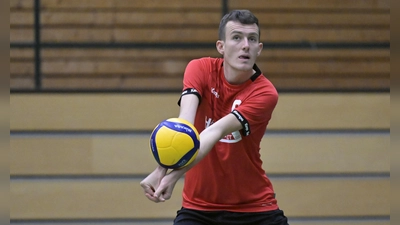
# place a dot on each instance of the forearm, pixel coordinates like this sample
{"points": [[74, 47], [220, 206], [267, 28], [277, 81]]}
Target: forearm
{"points": [[208, 138]]}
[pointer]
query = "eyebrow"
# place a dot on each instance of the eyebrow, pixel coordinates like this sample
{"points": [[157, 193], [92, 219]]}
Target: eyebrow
{"points": [[238, 32]]}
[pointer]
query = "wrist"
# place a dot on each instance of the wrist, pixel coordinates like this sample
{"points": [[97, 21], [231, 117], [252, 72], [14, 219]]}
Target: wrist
{"points": [[161, 169], [178, 173]]}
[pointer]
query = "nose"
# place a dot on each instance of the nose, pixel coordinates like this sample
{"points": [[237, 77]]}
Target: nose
{"points": [[245, 44]]}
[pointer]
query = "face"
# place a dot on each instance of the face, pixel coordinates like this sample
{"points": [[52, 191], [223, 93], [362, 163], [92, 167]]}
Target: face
{"points": [[241, 46]]}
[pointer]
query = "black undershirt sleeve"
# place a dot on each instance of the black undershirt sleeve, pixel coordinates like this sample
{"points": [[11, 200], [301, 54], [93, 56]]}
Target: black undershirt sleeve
{"points": [[243, 121], [188, 91]]}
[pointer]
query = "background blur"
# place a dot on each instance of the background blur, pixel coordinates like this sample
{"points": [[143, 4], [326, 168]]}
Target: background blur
{"points": [[90, 79]]}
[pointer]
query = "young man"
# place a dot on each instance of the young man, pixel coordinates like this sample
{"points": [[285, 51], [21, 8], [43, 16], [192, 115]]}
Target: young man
{"points": [[230, 102]]}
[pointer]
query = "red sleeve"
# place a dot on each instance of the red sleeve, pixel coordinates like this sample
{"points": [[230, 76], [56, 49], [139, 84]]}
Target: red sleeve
{"points": [[195, 75], [258, 108]]}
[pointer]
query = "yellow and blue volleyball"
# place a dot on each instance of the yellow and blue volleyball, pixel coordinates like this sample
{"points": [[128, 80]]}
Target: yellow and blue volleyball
{"points": [[174, 143]]}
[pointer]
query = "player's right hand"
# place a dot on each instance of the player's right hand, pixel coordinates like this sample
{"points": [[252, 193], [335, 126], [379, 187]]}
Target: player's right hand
{"points": [[151, 183]]}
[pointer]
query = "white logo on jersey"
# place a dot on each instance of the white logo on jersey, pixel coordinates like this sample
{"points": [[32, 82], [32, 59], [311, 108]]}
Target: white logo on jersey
{"points": [[233, 137], [214, 92], [208, 121]]}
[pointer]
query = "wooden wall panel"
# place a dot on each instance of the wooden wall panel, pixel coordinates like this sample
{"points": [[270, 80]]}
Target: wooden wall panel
{"points": [[102, 199], [130, 155], [142, 111]]}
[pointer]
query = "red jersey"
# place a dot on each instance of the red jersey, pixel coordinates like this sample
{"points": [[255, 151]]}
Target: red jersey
{"points": [[231, 176]]}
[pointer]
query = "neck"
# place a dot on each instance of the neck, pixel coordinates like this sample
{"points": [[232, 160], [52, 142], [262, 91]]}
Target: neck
{"points": [[237, 76]]}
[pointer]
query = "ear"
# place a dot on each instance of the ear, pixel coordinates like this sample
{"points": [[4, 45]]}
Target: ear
{"points": [[220, 47], [260, 48]]}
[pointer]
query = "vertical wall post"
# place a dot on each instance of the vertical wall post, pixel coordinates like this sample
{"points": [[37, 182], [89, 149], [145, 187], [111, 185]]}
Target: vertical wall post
{"points": [[37, 46], [225, 7]]}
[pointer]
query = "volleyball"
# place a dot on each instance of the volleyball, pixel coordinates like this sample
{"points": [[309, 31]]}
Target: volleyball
{"points": [[174, 143]]}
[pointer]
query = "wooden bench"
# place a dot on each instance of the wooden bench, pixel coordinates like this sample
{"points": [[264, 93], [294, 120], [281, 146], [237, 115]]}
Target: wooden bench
{"points": [[371, 5], [197, 22], [21, 21], [358, 21], [189, 22], [157, 69]]}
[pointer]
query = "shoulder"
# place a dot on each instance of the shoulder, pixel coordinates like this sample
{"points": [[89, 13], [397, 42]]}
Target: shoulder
{"points": [[207, 62], [263, 93], [264, 85]]}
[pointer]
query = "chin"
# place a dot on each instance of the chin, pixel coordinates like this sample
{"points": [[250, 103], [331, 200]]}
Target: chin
{"points": [[246, 67]]}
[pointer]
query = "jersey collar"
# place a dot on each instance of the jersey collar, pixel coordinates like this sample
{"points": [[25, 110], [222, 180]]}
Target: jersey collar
{"points": [[256, 74]]}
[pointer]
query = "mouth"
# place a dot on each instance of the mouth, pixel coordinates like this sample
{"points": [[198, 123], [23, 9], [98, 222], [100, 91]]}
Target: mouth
{"points": [[245, 57]]}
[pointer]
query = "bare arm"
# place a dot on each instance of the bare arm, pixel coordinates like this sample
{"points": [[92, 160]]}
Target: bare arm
{"points": [[208, 138], [188, 107], [152, 182]]}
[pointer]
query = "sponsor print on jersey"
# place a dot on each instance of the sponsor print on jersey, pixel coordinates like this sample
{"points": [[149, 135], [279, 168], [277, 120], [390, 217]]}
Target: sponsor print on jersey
{"points": [[233, 137], [214, 92]]}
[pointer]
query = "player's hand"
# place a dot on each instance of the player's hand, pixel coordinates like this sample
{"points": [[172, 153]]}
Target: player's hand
{"points": [[167, 184], [151, 183]]}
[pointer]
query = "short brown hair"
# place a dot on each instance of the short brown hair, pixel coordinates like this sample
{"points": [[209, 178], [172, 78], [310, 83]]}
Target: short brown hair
{"points": [[242, 16]]}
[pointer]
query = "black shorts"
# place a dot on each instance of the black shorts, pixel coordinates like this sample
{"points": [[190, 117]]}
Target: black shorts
{"points": [[194, 217]]}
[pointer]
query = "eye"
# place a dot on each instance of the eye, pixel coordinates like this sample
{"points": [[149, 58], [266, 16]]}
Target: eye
{"points": [[236, 37], [253, 39]]}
